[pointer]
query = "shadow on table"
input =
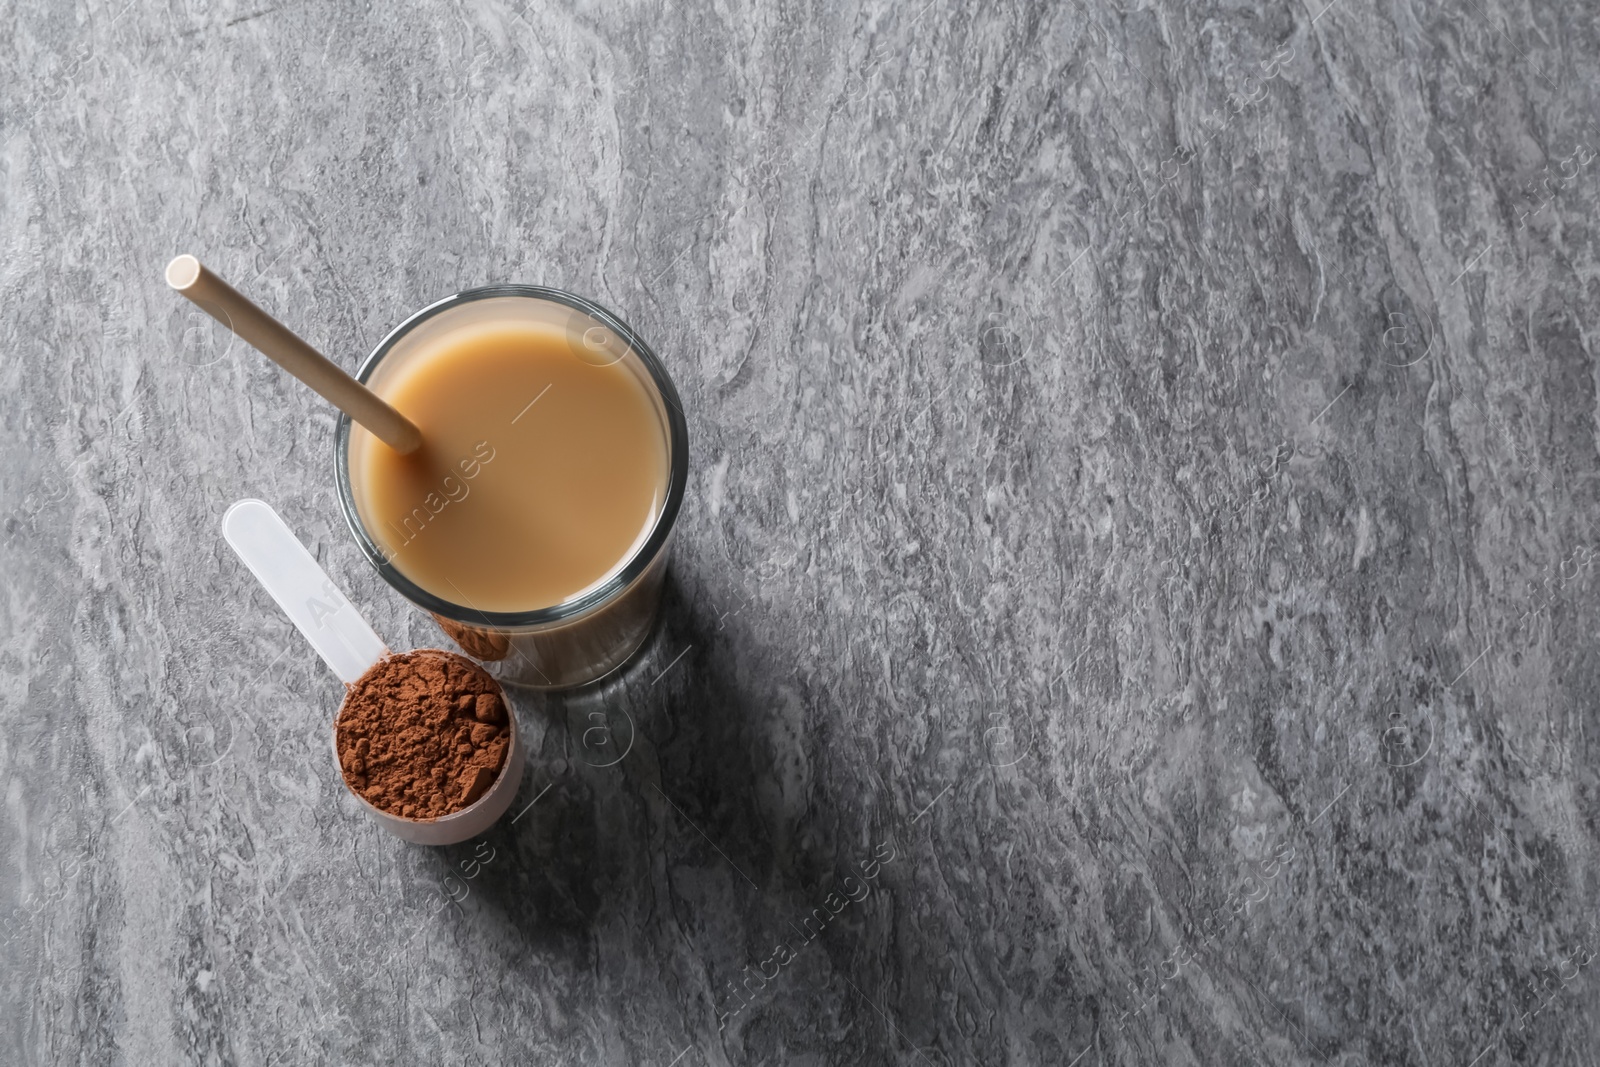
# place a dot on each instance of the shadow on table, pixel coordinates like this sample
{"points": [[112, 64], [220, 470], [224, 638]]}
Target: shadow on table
{"points": [[645, 808], [655, 759]]}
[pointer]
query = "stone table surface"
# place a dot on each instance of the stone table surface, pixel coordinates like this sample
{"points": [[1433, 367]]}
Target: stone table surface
{"points": [[1136, 584]]}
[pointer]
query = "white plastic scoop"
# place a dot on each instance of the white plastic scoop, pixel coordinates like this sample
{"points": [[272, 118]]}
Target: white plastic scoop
{"points": [[347, 644], [302, 589]]}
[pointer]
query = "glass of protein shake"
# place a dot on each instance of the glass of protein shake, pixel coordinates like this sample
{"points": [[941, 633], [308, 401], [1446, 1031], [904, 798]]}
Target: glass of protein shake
{"points": [[535, 520]]}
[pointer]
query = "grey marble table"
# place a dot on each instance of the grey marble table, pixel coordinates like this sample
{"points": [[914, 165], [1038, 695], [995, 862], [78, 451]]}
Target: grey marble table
{"points": [[1135, 601]]}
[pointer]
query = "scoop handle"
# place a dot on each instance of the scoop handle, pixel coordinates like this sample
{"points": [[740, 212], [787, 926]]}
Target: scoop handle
{"points": [[302, 589]]}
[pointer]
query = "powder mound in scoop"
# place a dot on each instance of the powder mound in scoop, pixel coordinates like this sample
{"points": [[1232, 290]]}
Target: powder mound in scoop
{"points": [[422, 734]]}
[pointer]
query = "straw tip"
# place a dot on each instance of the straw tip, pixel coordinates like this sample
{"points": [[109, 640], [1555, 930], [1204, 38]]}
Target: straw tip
{"points": [[183, 271]]}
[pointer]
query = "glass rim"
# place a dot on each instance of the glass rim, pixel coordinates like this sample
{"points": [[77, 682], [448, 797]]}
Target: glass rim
{"points": [[643, 555]]}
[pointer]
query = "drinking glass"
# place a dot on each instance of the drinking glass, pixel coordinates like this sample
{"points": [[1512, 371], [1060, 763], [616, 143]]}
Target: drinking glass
{"points": [[592, 633]]}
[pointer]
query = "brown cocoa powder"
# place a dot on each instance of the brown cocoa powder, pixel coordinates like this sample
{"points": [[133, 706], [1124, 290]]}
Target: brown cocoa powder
{"points": [[422, 734]]}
